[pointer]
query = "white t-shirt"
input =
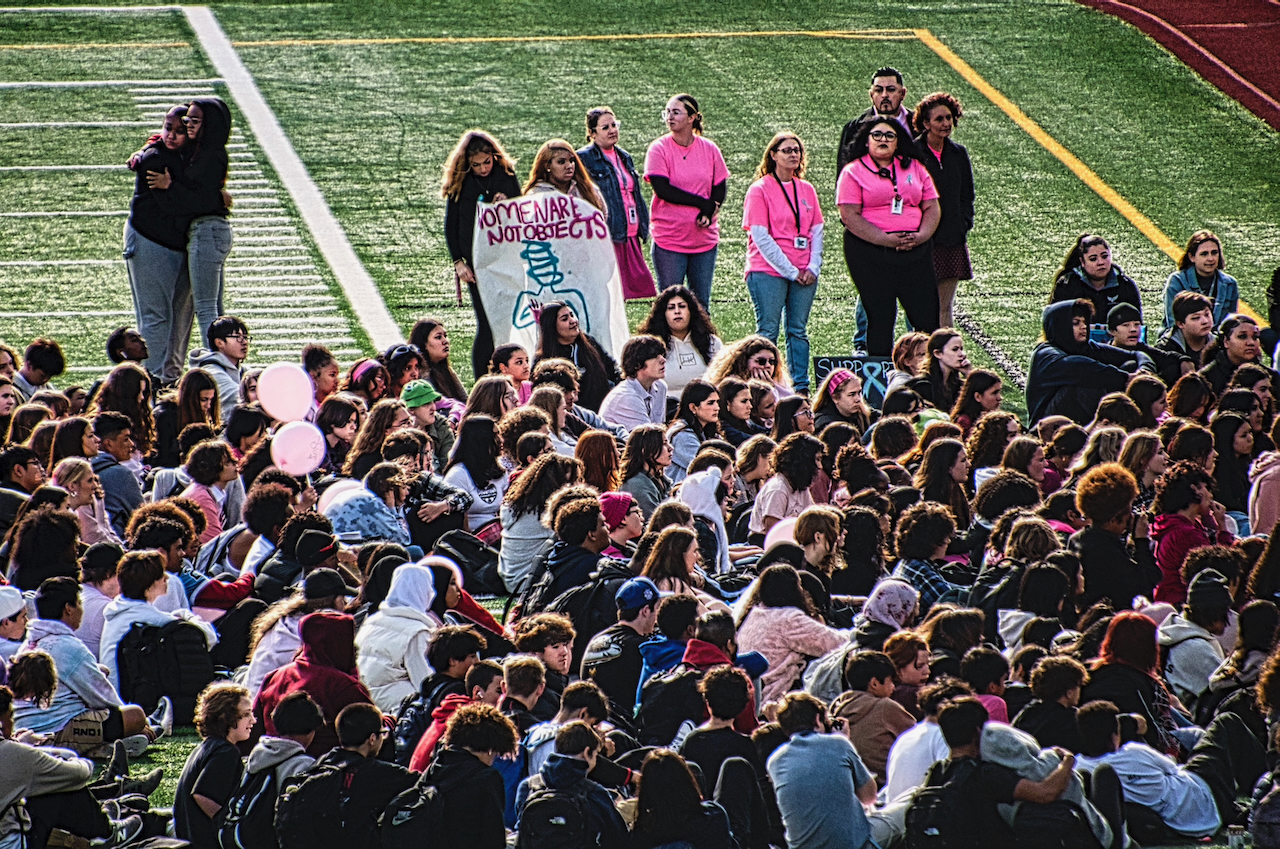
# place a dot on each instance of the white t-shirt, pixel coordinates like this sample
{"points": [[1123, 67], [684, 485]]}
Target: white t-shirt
{"points": [[1181, 798], [486, 501], [684, 363], [910, 757]]}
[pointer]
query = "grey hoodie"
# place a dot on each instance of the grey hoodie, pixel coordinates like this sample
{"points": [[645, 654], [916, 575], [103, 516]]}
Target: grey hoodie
{"points": [[286, 757], [1191, 656], [224, 372]]}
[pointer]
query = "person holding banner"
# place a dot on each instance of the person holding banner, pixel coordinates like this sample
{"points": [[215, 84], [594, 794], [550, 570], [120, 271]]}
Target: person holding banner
{"points": [[784, 249], [616, 179], [557, 168], [689, 177], [477, 171]]}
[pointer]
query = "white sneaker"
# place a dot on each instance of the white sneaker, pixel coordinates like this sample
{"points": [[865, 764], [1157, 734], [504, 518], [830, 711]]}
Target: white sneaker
{"points": [[136, 745], [162, 717]]}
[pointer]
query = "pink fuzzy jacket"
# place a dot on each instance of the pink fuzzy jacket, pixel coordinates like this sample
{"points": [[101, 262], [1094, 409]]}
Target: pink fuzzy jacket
{"points": [[789, 639], [1264, 494]]}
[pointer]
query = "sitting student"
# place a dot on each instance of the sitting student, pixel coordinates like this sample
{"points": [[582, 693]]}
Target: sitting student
{"points": [[523, 680], [641, 398], [917, 748], [325, 669], [581, 536], [815, 757], [1124, 326], [670, 810], [923, 534], [369, 787], [1051, 718], [121, 491], [142, 580], [1187, 640], [53, 788], [582, 701], [985, 671], [1194, 800], [212, 772], [13, 622], [483, 686], [548, 637], [275, 633], [65, 692], [875, 719], [451, 652], [296, 719], [613, 658], [675, 621], [392, 643], [985, 785], [1017, 693], [564, 772], [98, 586], [1069, 374], [726, 692], [1115, 570], [1193, 327], [464, 777]]}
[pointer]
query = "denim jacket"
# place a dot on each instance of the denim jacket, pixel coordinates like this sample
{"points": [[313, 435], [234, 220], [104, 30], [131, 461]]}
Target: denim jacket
{"points": [[1226, 302], [601, 170]]}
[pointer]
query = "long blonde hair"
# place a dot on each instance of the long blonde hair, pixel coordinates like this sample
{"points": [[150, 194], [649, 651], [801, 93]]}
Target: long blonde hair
{"points": [[538, 172], [457, 165], [767, 166], [71, 471]]}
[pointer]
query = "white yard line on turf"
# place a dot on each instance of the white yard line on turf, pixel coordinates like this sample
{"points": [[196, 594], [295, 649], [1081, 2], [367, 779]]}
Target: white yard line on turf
{"points": [[64, 167], [361, 292], [98, 83]]}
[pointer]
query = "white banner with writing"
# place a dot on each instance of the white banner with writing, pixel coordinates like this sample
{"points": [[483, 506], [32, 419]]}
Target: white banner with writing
{"points": [[547, 247]]}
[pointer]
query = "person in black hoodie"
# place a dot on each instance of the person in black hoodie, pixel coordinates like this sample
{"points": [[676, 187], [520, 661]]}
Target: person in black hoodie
{"points": [[670, 809], [1089, 273], [470, 789], [199, 194], [155, 251], [1069, 374], [1115, 570], [1051, 716]]}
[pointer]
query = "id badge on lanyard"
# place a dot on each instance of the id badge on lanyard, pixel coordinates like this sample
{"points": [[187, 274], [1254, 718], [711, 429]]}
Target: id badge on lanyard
{"points": [[631, 215], [896, 208]]}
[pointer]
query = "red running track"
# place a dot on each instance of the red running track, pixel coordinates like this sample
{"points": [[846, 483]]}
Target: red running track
{"points": [[1235, 46]]}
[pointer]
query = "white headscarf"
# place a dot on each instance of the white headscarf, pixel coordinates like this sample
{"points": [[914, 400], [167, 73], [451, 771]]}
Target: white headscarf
{"points": [[411, 586], [699, 492]]}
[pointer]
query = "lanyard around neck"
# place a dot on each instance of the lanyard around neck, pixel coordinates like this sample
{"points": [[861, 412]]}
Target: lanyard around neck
{"points": [[890, 173], [794, 206]]}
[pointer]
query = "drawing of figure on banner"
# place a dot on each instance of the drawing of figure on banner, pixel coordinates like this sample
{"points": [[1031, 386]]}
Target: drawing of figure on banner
{"points": [[546, 247]]}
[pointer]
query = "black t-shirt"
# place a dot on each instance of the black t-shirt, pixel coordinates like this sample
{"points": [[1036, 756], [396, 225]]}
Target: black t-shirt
{"points": [[988, 785], [213, 771], [709, 749], [613, 661]]}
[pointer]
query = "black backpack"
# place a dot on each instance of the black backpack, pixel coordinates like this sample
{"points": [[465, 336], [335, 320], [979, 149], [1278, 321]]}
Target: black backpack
{"points": [[478, 562], [247, 820], [414, 718], [312, 811], [415, 818], [164, 660], [591, 608], [668, 700], [553, 819], [938, 816], [1054, 825], [537, 595]]}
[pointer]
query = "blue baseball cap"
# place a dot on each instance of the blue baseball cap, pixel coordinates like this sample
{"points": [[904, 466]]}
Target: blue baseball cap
{"points": [[637, 593]]}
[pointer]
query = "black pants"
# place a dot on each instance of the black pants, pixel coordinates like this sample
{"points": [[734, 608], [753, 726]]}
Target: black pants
{"points": [[1229, 759], [234, 633], [884, 277], [482, 346], [75, 811]]}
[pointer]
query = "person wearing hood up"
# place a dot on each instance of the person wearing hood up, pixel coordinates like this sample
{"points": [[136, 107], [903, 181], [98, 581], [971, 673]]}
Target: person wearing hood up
{"points": [[325, 669], [392, 643], [276, 632], [702, 491], [577, 748], [892, 606], [228, 340], [198, 193], [1187, 639], [1069, 374]]}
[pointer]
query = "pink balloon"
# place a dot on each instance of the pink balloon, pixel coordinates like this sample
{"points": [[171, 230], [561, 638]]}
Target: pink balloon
{"points": [[286, 391], [298, 448], [783, 531], [336, 489]]}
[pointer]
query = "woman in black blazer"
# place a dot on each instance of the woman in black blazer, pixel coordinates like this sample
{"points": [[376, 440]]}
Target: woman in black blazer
{"points": [[935, 118]]}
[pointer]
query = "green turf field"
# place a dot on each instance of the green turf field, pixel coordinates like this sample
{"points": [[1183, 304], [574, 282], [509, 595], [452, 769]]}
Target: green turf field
{"points": [[374, 121]]}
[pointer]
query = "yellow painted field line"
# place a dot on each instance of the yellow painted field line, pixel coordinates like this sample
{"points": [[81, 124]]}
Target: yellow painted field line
{"points": [[884, 34], [118, 45], [1086, 174]]}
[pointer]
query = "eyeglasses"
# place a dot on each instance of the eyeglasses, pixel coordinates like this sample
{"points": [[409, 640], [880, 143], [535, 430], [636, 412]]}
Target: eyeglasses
{"points": [[240, 337], [401, 350], [883, 135], [806, 412], [192, 122], [789, 150]]}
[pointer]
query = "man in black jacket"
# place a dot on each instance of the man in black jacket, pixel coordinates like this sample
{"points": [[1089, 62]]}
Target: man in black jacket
{"points": [[1113, 570], [612, 658], [1051, 716], [471, 789]]}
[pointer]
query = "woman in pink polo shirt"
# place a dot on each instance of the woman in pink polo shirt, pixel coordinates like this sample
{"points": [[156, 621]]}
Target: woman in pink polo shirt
{"points": [[688, 176], [889, 207], [784, 249]]}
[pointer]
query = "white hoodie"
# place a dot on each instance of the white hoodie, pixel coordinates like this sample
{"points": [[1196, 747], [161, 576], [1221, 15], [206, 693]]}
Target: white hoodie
{"points": [[121, 613], [391, 646]]}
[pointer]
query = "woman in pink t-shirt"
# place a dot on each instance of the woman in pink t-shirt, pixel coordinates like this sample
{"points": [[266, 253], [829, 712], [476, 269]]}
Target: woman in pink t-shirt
{"points": [[615, 177], [784, 249], [889, 207], [688, 176]]}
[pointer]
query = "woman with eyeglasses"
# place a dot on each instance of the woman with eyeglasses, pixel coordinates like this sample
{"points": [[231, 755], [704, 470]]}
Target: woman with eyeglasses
{"points": [[689, 178], [839, 399], [491, 396], [615, 177], [793, 415], [784, 248], [477, 171], [948, 164], [387, 415], [752, 358], [890, 210]]}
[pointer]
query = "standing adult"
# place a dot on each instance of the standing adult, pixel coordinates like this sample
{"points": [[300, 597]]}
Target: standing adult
{"points": [[614, 173], [784, 249], [155, 252], [477, 171], [557, 168], [935, 119], [890, 210], [1200, 270], [689, 177]]}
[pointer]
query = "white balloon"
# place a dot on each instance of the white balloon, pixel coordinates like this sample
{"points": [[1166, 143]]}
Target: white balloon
{"points": [[286, 391], [298, 448]]}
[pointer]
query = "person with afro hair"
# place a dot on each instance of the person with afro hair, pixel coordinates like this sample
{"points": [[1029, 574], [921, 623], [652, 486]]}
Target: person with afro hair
{"points": [[1114, 549]]}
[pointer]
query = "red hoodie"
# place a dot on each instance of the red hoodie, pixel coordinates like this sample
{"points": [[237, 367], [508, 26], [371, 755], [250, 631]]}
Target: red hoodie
{"points": [[1175, 536], [439, 717], [325, 669], [703, 655]]}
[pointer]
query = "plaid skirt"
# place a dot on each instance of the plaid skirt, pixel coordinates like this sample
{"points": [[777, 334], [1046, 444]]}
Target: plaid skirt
{"points": [[949, 262]]}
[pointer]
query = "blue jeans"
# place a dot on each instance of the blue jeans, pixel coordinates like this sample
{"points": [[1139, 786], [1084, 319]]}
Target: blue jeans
{"points": [[208, 243], [673, 267], [770, 295], [161, 301]]}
